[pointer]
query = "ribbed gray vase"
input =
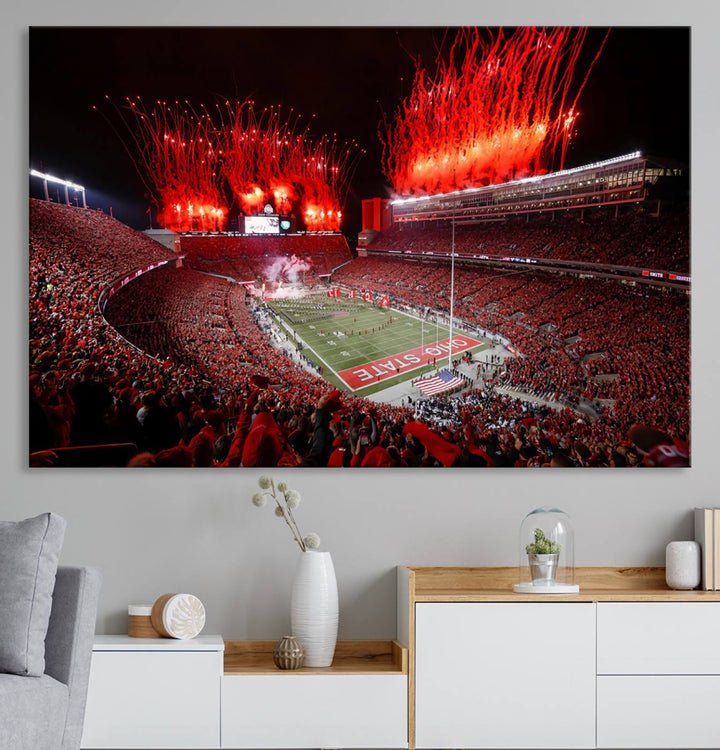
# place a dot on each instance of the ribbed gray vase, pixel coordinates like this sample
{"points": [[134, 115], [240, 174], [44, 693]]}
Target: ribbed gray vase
{"points": [[288, 653]]}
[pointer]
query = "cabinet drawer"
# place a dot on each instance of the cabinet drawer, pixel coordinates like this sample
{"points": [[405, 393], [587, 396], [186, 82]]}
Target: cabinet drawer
{"points": [[308, 711], [658, 638], [658, 711], [153, 700]]}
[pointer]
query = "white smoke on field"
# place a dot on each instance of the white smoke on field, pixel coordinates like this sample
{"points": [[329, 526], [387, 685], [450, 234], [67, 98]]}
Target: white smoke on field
{"points": [[288, 269], [267, 290], [273, 271], [288, 292]]}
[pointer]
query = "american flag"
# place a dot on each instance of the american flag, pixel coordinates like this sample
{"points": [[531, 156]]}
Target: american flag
{"points": [[443, 381]]}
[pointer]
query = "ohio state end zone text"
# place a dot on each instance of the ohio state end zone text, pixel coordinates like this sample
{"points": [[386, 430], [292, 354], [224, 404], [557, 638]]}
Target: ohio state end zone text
{"points": [[397, 364]]}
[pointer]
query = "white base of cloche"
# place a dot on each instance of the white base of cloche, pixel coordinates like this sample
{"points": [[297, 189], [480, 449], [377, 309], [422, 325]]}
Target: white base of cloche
{"points": [[553, 588]]}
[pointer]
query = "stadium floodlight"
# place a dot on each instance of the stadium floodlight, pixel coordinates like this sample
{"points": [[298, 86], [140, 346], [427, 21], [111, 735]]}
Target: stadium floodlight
{"points": [[66, 183], [50, 178]]}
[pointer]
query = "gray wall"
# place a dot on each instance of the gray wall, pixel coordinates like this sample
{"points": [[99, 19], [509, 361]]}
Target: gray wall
{"points": [[154, 532]]}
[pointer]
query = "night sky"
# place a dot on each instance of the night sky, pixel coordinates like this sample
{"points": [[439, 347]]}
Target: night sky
{"points": [[637, 95]]}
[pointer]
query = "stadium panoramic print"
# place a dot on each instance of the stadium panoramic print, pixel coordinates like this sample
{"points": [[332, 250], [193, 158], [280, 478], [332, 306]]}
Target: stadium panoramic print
{"points": [[359, 247]]}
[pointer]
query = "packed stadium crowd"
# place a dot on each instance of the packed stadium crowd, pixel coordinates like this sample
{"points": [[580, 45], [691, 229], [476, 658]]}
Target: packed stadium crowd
{"points": [[187, 376], [570, 332], [247, 258], [636, 238]]}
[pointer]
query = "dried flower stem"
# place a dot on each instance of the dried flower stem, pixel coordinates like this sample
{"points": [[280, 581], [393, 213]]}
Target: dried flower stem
{"points": [[285, 501], [288, 518], [298, 535]]}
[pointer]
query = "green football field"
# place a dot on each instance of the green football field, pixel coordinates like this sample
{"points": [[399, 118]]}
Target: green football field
{"points": [[363, 347]]}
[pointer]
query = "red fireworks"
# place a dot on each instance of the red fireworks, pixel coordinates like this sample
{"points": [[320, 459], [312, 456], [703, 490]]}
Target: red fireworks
{"points": [[269, 157], [179, 155], [500, 113], [254, 162], [322, 174], [185, 159]]}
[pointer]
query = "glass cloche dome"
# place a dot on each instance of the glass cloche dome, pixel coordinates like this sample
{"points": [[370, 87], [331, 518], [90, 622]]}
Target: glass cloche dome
{"points": [[546, 553]]}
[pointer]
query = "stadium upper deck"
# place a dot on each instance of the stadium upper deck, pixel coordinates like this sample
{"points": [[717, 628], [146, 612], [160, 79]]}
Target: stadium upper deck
{"points": [[622, 179]]}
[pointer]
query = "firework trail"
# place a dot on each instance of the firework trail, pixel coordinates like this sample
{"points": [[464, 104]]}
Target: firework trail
{"points": [[256, 147], [270, 157], [322, 171], [493, 111], [177, 154]]}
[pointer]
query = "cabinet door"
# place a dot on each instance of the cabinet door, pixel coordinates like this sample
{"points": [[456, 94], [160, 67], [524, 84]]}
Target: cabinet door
{"points": [[153, 699], [500, 675]]}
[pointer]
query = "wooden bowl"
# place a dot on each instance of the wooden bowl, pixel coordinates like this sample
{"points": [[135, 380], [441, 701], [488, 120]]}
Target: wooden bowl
{"points": [[140, 621]]}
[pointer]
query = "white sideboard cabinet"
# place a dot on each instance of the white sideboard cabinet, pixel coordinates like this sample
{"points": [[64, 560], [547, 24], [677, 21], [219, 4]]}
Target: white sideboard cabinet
{"points": [[154, 693], [206, 693], [626, 663]]}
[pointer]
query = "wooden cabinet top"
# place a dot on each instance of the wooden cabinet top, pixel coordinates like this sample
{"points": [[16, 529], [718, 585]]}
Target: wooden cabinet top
{"points": [[597, 584], [351, 657]]}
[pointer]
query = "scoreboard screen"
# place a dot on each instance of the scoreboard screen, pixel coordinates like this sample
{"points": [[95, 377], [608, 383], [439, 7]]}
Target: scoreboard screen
{"points": [[262, 225]]}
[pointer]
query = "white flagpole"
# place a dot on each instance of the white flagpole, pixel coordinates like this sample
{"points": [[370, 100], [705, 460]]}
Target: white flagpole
{"points": [[452, 292]]}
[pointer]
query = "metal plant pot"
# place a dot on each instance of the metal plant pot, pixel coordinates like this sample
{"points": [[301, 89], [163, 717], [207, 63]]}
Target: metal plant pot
{"points": [[543, 568]]}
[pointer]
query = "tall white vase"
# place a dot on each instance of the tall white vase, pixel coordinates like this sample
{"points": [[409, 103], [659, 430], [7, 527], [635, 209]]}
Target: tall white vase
{"points": [[314, 607]]}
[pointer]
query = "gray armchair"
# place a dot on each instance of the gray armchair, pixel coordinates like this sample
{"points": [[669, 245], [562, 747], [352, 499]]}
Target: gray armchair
{"points": [[47, 712]]}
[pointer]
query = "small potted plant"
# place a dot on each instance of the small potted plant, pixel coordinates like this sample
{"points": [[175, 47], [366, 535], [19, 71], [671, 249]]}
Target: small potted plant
{"points": [[543, 555]]}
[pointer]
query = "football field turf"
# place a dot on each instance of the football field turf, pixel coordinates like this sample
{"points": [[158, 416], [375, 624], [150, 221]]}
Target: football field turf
{"points": [[365, 348]]}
